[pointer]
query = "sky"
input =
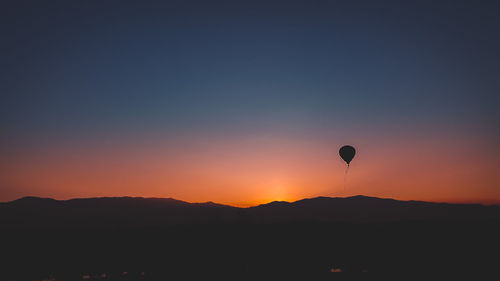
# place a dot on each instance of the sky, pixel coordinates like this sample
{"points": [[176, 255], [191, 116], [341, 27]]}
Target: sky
{"points": [[246, 102]]}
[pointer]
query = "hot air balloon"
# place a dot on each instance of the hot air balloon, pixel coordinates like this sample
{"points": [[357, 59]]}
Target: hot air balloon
{"points": [[347, 152]]}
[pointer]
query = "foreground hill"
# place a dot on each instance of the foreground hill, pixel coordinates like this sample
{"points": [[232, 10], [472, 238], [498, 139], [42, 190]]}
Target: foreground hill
{"points": [[137, 211], [159, 239]]}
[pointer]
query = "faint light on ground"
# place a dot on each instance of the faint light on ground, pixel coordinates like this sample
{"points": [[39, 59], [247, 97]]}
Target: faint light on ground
{"points": [[335, 269]]}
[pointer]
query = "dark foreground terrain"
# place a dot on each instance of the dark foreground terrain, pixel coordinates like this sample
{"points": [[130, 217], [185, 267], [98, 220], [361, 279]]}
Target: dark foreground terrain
{"points": [[157, 239]]}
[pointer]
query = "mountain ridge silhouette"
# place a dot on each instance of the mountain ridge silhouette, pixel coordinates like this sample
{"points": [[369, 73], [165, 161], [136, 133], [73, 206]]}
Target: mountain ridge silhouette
{"points": [[170, 199], [139, 211], [166, 237]]}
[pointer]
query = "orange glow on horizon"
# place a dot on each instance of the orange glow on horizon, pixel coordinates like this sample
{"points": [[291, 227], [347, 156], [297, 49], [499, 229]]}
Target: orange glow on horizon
{"points": [[247, 171]]}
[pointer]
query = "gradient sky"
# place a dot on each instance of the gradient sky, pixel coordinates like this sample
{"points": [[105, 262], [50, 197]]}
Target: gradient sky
{"points": [[245, 102]]}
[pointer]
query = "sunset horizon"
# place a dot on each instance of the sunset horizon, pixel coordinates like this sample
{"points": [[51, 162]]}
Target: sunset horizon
{"points": [[274, 168]]}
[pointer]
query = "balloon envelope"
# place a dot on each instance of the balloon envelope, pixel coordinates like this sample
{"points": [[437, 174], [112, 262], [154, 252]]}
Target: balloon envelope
{"points": [[347, 152]]}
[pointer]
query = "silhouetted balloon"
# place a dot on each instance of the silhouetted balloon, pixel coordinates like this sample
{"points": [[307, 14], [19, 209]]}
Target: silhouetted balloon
{"points": [[347, 152]]}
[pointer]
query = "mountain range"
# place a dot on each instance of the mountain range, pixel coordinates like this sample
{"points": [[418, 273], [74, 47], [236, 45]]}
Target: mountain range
{"points": [[138, 211]]}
